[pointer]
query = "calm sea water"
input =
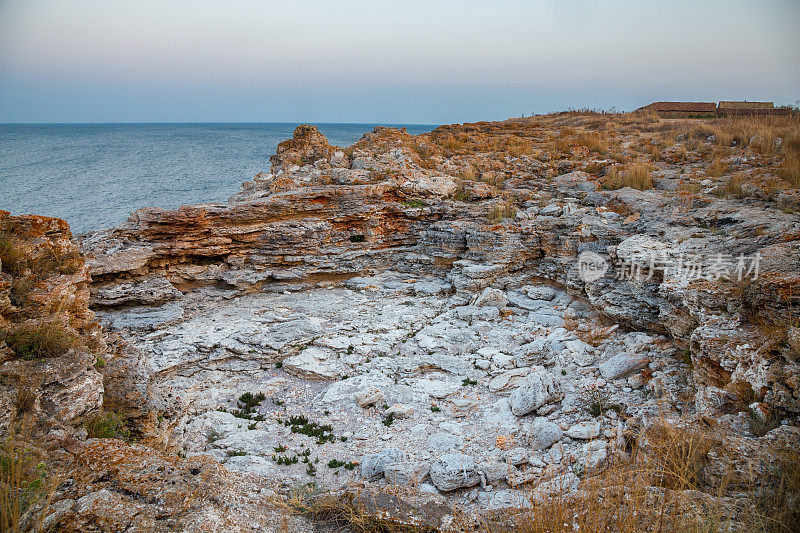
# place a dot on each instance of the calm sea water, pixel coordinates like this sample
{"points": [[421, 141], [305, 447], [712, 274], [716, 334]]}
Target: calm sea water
{"points": [[94, 175]]}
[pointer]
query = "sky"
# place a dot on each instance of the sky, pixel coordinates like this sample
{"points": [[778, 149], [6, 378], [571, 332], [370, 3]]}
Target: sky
{"points": [[423, 62]]}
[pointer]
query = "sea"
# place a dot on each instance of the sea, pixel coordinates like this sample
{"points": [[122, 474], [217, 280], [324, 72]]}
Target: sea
{"points": [[95, 175]]}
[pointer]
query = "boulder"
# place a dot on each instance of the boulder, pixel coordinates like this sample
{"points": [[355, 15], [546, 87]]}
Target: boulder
{"points": [[406, 472], [314, 363], [436, 186], [399, 410], [622, 365], [491, 298], [543, 433], [584, 430], [509, 499], [369, 396], [444, 442], [540, 387], [373, 466], [454, 471]]}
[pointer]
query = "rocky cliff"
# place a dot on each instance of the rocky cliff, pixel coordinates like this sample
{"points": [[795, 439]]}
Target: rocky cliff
{"points": [[486, 315]]}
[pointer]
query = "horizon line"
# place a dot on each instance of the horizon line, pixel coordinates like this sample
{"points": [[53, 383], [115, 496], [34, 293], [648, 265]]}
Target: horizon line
{"points": [[214, 122]]}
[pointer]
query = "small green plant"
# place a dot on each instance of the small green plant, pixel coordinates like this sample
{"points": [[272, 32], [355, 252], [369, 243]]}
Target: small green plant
{"points": [[252, 426], [235, 453], [279, 364], [388, 420], [99, 362], [435, 408], [108, 426], [335, 463], [597, 401], [311, 470], [248, 403], [302, 425], [686, 357], [280, 448], [285, 460], [467, 381], [414, 203], [214, 435], [350, 466]]}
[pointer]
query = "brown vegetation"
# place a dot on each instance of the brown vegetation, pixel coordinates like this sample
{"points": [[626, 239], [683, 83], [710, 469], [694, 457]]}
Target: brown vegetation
{"points": [[636, 175], [39, 339]]}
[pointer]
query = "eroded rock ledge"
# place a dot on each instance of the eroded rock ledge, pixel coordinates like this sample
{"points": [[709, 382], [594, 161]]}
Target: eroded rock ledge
{"points": [[409, 312]]}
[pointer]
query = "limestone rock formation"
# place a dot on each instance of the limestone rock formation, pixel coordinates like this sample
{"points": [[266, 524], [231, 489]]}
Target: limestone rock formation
{"points": [[396, 311]]}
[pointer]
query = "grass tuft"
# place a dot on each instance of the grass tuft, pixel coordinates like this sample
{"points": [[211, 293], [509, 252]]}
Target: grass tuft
{"points": [[635, 175], [42, 339]]}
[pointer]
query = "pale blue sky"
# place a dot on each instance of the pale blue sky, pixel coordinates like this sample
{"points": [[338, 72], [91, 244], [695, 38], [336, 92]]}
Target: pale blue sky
{"points": [[379, 61]]}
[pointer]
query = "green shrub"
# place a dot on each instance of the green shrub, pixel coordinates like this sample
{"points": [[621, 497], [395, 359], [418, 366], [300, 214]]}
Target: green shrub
{"points": [[108, 426]]}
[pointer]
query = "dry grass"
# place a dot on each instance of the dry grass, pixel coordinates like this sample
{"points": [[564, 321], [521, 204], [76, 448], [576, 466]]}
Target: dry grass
{"points": [[594, 141], [593, 334], [351, 511], [790, 169], [39, 339], [764, 131], [688, 187], [636, 175], [660, 482], [733, 187], [500, 212], [467, 173], [717, 168], [26, 485], [12, 257], [660, 486]]}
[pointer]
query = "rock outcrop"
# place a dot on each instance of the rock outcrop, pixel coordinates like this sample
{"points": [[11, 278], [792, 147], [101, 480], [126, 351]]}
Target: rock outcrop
{"points": [[478, 313]]}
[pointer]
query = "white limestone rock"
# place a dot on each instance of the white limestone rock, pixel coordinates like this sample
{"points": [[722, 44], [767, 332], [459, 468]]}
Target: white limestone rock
{"points": [[406, 472], [369, 396], [314, 363], [584, 430], [373, 466], [540, 387], [491, 297], [542, 433], [623, 364], [454, 471]]}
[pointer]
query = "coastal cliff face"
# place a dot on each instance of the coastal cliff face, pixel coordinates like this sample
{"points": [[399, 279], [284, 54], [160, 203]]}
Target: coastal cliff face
{"points": [[484, 315]]}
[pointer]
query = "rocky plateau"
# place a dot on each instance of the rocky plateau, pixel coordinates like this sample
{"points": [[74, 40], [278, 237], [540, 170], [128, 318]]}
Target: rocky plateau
{"points": [[410, 322]]}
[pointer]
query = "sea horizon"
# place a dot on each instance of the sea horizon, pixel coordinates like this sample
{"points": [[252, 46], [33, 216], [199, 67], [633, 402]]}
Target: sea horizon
{"points": [[94, 175]]}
